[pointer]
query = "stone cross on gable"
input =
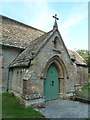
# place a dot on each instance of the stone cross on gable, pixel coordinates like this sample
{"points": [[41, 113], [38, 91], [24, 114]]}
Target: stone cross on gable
{"points": [[56, 18], [55, 24]]}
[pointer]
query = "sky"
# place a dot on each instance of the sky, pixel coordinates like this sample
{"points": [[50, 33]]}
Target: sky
{"points": [[72, 23]]}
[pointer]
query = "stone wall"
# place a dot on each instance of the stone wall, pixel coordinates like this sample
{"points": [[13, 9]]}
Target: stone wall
{"points": [[35, 72], [8, 55], [82, 75], [31, 86], [14, 37], [16, 76], [0, 67]]}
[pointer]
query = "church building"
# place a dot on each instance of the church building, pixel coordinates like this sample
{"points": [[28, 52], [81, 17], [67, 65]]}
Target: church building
{"points": [[37, 66]]}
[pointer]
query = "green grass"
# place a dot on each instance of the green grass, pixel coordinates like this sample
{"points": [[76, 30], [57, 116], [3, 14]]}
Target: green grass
{"points": [[11, 108], [84, 92], [89, 77], [86, 87], [0, 106]]}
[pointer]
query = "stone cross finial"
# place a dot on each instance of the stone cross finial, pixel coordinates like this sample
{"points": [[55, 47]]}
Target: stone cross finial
{"points": [[56, 18], [55, 24]]}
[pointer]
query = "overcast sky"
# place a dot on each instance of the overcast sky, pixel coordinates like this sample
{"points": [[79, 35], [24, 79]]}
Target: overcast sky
{"points": [[72, 23]]}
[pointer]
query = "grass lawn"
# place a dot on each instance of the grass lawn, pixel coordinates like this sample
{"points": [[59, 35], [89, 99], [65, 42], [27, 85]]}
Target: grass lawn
{"points": [[84, 93], [11, 108], [86, 87]]}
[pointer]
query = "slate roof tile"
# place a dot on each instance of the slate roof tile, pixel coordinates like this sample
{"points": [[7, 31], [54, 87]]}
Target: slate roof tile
{"points": [[77, 57], [31, 51], [17, 34]]}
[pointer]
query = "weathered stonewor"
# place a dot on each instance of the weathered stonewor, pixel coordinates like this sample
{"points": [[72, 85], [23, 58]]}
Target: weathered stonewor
{"points": [[37, 65]]}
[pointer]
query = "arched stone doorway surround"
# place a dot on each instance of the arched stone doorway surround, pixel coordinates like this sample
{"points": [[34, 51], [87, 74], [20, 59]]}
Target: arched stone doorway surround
{"points": [[62, 71]]}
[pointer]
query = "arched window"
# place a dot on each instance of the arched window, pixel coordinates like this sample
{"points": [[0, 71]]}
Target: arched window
{"points": [[17, 76], [20, 75], [55, 42], [20, 81]]}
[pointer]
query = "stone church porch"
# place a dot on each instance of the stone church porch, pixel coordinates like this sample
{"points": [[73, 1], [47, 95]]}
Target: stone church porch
{"points": [[44, 69]]}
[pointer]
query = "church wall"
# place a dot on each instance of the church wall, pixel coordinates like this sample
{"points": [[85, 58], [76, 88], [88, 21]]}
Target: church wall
{"points": [[1, 57], [17, 80], [82, 74], [71, 81], [9, 54], [31, 83], [34, 74], [85, 75]]}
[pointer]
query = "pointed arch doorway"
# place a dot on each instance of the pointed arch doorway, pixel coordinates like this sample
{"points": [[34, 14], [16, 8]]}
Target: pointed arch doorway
{"points": [[54, 75], [51, 83]]}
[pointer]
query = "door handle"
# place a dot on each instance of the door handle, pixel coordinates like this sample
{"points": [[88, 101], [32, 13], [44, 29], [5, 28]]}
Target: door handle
{"points": [[52, 83]]}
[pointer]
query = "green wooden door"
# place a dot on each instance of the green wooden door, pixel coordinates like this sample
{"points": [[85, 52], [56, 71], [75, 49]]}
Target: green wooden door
{"points": [[51, 84]]}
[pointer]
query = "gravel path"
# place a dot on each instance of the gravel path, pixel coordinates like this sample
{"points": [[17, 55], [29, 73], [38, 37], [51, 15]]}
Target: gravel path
{"points": [[65, 109]]}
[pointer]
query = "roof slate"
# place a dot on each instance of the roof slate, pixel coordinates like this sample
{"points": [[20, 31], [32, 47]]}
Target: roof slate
{"points": [[34, 47], [31, 51], [77, 57], [17, 34]]}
